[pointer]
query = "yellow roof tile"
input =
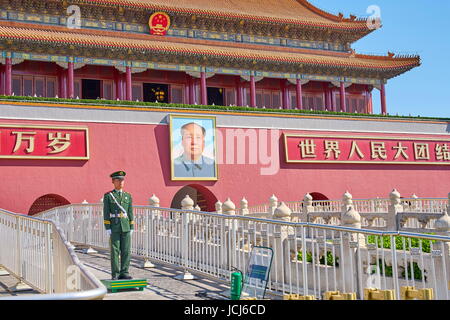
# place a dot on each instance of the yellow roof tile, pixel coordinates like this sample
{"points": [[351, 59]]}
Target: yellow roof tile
{"points": [[94, 38], [288, 11]]}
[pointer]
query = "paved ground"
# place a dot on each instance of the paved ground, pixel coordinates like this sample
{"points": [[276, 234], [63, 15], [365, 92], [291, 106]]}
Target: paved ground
{"points": [[7, 283], [161, 279]]}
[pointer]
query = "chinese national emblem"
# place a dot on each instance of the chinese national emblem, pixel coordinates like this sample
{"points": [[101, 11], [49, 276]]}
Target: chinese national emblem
{"points": [[159, 23]]}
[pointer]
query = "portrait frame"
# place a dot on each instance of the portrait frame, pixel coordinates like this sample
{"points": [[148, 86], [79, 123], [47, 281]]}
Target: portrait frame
{"points": [[175, 124]]}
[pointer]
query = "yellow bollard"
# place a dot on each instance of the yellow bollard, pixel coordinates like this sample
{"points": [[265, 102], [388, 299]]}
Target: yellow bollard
{"points": [[411, 293], [350, 296], [336, 295], [306, 298], [376, 294], [332, 295], [297, 297]]}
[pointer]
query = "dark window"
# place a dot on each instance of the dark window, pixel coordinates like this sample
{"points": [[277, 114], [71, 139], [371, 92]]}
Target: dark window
{"points": [[91, 89], [276, 100], [231, 97], [17, 86], [51, 88], [137, 92], [107, 90], [215, 96], [39, 87], [28, 86], [177, 94], [156, 92], [259, 98], [267, 103], [77, 88]]}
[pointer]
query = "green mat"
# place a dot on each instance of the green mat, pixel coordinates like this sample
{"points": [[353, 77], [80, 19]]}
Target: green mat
{"points": [[116, 285]]}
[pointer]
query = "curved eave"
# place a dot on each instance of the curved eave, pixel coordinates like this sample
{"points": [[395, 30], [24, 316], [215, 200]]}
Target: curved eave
{"points": [[388, 65]]}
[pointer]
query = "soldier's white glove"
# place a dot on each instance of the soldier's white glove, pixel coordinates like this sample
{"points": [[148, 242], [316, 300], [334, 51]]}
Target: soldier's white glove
{"points": [[108, 232], [131, 232]]}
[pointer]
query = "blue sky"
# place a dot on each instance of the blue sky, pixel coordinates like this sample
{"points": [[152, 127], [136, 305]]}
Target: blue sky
{"points": [[409, 27]]}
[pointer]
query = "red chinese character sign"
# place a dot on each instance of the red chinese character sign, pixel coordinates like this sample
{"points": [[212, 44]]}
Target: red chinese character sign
{"points": [[43, 142], [159, 23], [363, 149]]}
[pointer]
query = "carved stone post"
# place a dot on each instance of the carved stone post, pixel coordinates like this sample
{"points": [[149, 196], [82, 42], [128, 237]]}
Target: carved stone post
{"points": [[244, 207], [219, 207], [186, 204], [147, 228], [395, 207], [273, 204], [349, 262], [279, 243], [307, 208], [154, 201], [229, 208], [441, 256], [448, 206], [347, 201], [414, 206]]}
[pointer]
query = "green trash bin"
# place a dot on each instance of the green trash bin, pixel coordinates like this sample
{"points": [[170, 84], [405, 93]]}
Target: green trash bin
{"points": [[236, 286]]}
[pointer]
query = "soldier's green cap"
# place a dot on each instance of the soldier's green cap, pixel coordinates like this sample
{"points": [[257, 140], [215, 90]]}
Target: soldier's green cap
{"points": [[118, 175]]}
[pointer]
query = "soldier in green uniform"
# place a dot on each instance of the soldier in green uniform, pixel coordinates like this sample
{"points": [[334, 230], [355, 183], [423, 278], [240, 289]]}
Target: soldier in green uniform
{"points": [[119, 224]]}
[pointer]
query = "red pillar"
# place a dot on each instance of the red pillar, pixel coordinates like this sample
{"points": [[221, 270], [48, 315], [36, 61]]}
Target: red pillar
{"points": [[8, 76], [327, 92], [123, 84], [63, 84], [203, 88], [252, 92], [187, 90], [193, 91], [366, 99], [333, 103], [285, 91], [2, 79], [343, 103], [299, 92], [129, 93], [383, 99], [191, 85], [239, 96], [70, 81], [118, 84]]}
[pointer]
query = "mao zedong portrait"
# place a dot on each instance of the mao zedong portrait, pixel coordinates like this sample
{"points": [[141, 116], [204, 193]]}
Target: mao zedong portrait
{"points": [[193, 163]]}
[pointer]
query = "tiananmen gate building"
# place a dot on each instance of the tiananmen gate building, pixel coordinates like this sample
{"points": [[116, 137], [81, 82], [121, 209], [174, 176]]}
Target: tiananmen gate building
{"points": [[283, 102]]}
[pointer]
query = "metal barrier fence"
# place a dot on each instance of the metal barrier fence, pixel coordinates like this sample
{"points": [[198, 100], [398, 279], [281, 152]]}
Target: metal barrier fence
{"points": [[309, 259], [34, 251], [393, 214], [376, 205]]}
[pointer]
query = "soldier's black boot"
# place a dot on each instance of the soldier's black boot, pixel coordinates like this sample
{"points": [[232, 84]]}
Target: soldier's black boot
{"points": [[125, 277]]}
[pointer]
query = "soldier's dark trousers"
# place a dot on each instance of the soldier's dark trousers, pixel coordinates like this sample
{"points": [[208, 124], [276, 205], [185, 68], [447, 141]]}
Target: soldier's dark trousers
{"points": [[120, 244]]}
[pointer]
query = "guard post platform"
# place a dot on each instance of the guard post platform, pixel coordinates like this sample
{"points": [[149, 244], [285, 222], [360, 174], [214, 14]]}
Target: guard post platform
{"points": [[116, 285]]}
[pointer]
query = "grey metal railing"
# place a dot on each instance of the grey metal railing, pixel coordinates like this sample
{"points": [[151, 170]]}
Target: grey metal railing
{"points": [[35, 251], [309, 259]]}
